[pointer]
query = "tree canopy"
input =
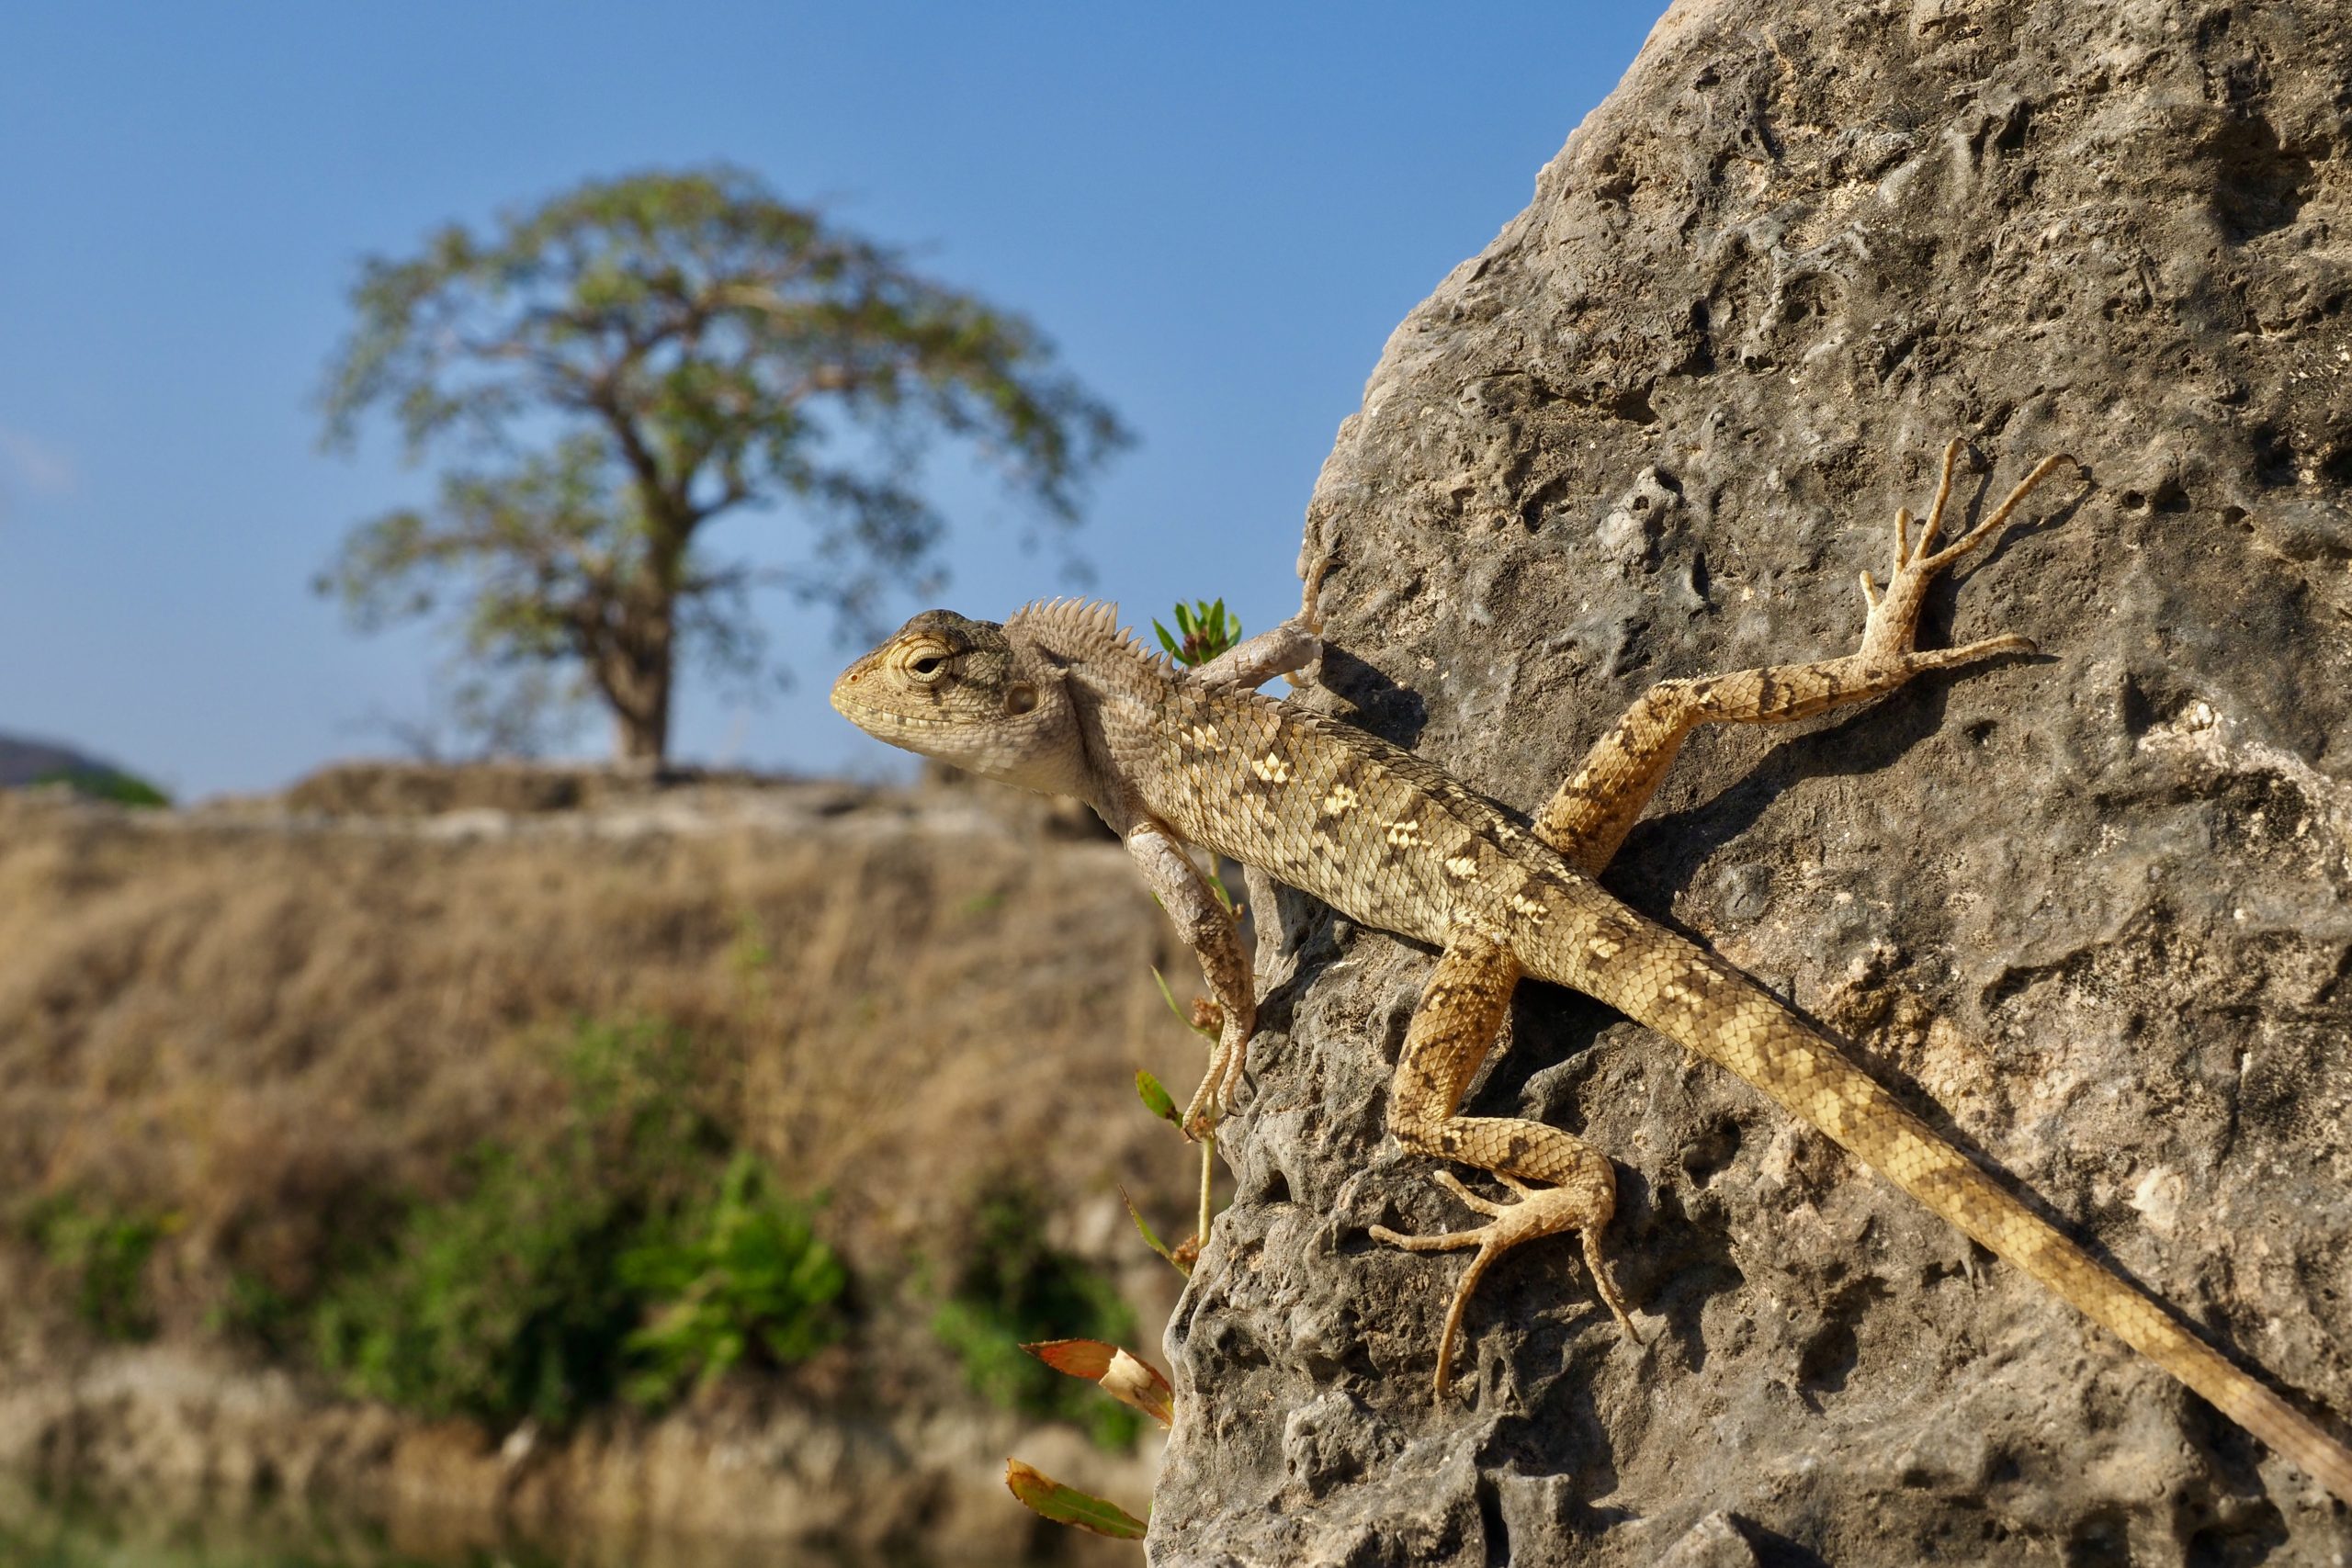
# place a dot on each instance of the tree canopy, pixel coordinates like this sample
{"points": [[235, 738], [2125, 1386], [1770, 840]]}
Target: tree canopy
{"points": [[603, 375]]}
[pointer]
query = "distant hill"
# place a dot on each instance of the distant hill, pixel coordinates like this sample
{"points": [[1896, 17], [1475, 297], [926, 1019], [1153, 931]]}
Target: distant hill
{"points": [[26, 761], [23, 761]]}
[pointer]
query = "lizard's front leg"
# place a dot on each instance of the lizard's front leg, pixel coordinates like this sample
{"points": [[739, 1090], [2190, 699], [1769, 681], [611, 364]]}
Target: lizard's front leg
{"points": [[1597, 808], [1215, 939], [1460, 1014]]}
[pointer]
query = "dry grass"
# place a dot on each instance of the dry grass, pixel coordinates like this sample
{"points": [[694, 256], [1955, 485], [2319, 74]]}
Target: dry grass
{"points": [[262, 1024]]}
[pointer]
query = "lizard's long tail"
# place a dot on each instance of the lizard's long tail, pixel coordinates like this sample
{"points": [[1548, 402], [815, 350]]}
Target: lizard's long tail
{"points": [[1687, 993]]}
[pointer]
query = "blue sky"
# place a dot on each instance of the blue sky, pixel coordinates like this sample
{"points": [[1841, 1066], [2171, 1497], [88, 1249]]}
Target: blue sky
{"points": [[1218, 212]]}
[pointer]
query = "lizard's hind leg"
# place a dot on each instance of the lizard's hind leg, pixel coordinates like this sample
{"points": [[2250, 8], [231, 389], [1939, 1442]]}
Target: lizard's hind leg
{"points": [[1285, 650], [1460, 1014], [1597, 808]]}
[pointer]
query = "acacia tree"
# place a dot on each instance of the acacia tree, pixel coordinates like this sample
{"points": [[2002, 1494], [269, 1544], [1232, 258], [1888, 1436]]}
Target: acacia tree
{"points": [[608, 373]]}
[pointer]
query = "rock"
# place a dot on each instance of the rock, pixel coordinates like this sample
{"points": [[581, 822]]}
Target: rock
{"points": [[187, 1440], [394, 789], [2091, 912]]}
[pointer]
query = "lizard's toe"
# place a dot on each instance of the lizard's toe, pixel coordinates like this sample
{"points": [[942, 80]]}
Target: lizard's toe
{"points": [[1892, 622], [1538, 1211]]}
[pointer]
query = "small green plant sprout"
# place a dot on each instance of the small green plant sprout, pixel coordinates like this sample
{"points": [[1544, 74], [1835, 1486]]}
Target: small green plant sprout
{"points": [[1206, 1019], [1041, 1495], [1203, 630], [1152, 1092], [1181, 1258]]}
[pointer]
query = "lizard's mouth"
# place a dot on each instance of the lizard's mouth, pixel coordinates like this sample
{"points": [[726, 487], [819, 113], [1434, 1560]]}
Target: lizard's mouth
{"points": [[879, 721]]}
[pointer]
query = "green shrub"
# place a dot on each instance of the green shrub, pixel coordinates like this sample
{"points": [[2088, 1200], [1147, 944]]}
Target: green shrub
{"points": [[1012, 1289], [251, 1308], [744, 1273], [502, 1303], [103, 1252], [634, 1248], [106, 783], [635, 1085]]}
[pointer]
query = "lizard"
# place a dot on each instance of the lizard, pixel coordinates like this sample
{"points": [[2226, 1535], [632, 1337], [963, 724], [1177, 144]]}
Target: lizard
{"points": [[1059, 698]]}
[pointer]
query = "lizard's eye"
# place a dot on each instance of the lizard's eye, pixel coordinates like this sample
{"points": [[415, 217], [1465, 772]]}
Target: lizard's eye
{"points": [[926, 663]]}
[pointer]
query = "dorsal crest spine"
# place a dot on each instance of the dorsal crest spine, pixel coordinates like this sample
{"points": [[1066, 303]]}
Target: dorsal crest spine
{"points": [[1080, 628]]}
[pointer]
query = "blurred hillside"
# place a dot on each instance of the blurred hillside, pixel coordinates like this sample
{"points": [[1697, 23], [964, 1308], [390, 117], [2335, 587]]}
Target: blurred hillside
{"points": [[24, 761], [263, 1062]]}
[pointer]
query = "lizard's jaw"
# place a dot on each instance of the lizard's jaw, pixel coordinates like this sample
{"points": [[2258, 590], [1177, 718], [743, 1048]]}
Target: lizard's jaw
{"points": [[1032, 752], [898, 728]]}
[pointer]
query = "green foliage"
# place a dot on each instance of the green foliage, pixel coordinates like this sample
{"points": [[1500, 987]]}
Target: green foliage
{"points": [[501, 1303], [742, 1274], [1184, 1015], [609, 370], [104, 1251], [1204, 629], [635, 1088], [1151, 1237], [255, 1311], [106, 783], [1011, 1288], [1153, 1093], [633, 1249], [751, 958]]}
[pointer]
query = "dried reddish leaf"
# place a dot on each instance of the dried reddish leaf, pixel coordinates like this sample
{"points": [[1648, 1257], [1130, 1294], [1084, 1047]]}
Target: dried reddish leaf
{"points": [[1131, 1380], [1088, 1359], [1126, 1378]]}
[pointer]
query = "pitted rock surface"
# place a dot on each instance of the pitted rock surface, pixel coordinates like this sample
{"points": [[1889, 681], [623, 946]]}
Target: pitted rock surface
{"points": [[2090, 913]]}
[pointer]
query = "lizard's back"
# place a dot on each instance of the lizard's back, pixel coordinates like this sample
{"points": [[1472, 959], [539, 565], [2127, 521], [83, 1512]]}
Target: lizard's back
{"points": [[1335, 811]]}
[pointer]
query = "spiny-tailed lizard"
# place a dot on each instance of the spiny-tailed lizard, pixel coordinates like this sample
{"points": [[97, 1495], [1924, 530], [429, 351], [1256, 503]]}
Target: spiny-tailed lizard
{"points": [[1060, 699]]}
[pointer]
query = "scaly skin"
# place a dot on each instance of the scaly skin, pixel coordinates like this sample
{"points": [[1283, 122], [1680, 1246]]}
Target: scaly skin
{"points": [[1058, 698]]}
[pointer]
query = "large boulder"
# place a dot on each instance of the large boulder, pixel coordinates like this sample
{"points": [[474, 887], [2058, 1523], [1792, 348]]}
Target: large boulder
{"points": [[2088, 912]]}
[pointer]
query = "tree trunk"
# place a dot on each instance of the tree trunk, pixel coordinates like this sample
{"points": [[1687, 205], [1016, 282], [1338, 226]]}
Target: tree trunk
{"points": [[637, 677], [647, 642], [643, 737]]}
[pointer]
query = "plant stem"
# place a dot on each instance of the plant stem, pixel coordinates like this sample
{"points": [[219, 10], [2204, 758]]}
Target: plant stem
{"points": [[1208, 1163]]}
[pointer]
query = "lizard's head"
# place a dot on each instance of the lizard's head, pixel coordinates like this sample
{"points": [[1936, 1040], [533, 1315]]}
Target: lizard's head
{"points": [[966, 692]]}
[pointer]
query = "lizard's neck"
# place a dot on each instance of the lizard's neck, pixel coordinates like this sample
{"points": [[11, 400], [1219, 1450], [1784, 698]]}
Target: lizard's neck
{"points": [[1120, 690]]}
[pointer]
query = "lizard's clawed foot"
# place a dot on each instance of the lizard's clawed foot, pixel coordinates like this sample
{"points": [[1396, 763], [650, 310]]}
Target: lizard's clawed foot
{"points": [[1893, 620], [1220, 1086], [1310, 610], [1539, 1211]]}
